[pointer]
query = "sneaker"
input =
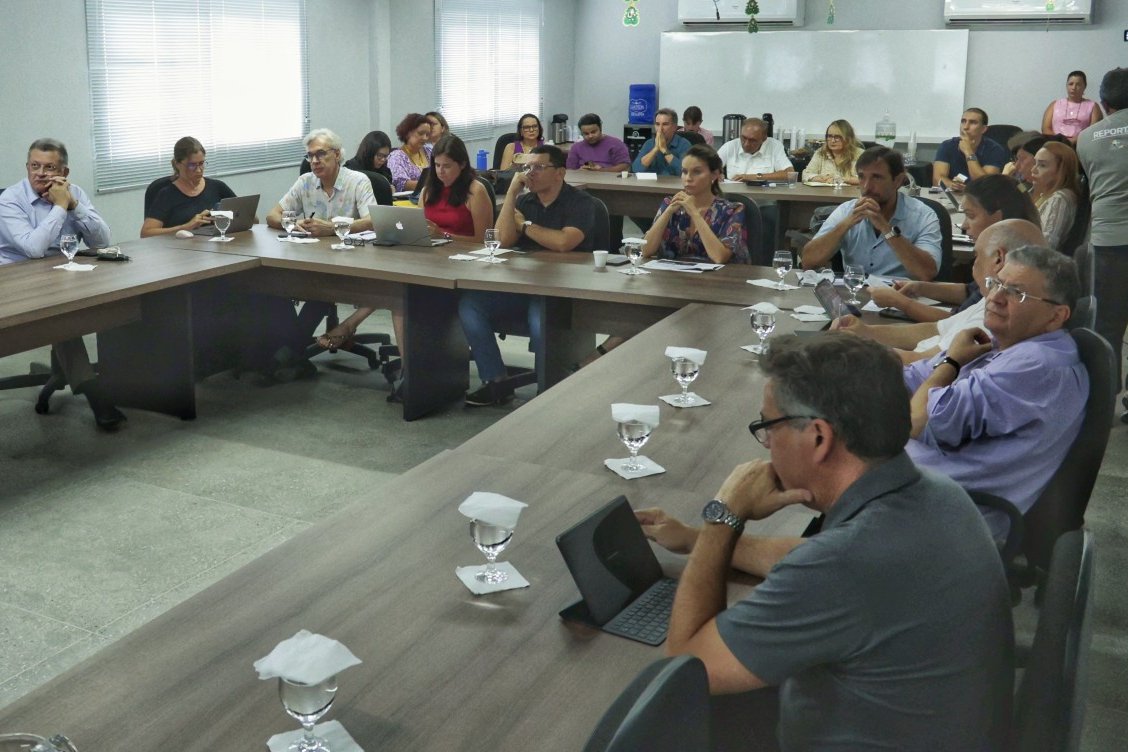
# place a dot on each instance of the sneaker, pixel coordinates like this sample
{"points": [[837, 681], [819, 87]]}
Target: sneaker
{"points": [[489, 393]]}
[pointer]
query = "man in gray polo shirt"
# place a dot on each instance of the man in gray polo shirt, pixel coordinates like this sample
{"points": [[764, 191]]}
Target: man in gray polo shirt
{"points": [[891, 627]]}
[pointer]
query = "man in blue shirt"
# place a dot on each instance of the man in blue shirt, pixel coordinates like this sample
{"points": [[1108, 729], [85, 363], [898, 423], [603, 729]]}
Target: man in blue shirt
{"points": [[970, 155], [34, 213], [884, 231], [663, 153]]}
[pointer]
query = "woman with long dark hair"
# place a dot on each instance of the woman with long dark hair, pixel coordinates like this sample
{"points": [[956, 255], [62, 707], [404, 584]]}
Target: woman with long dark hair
{"points": [[455, 204]]}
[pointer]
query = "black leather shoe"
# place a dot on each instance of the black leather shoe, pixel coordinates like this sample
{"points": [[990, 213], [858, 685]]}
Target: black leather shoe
{"points": [[489, 393], [106, 416]]}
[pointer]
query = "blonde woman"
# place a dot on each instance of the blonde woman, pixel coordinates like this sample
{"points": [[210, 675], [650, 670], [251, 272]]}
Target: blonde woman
{"points": [[837, 157], [1056, 190]]}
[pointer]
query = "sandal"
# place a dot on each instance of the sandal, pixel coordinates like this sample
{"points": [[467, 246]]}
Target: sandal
{"points": [[338, 338]]}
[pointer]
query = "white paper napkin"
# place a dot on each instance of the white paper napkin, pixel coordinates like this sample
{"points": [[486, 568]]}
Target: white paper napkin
{"points": [[76, 267], [646, 175], [624, 411], [492, 508], [689, 353], [871, 307], [808, 277], [332, 732], [307, 658], [771, 285], [462, 257], [754, 349], [810, 317], [649, 467], [487, 259], [764, 307], [295, 239], [477, 587], [626, 270], [486, 251], [696, 400]]}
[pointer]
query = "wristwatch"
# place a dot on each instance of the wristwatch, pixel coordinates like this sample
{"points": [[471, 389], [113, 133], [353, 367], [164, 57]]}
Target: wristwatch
{"points": [[950, 361], [894, 232], [526, 225], [971, 158], [716, 512]]}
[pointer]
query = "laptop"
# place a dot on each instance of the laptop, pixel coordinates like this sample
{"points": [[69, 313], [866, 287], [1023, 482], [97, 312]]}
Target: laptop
{"points": [[242, 209], [401, 225], [623, 589]]}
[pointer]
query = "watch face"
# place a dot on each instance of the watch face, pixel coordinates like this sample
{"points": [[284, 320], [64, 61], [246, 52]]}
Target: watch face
{"points": [[714, 511]]}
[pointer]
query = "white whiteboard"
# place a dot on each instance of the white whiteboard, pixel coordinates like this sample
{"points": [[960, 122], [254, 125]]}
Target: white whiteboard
{"points": [[806, 79]]}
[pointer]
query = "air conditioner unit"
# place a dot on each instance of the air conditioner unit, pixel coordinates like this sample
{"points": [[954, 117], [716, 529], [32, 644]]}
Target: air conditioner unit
{"points": [[1041, 12], [730, 12]]}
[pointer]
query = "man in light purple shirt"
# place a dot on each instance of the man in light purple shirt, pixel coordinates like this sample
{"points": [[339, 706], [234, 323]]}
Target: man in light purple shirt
{"points": [[597, 151], [34, 213], [997, 413]]}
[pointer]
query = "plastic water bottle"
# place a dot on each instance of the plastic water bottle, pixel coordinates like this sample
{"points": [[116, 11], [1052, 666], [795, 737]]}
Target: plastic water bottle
{"points": [[886, 131], [483, 159], [910, 152]]}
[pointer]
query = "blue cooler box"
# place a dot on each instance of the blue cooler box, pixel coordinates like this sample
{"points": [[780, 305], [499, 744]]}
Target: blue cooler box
{"points": [[643, 103]]}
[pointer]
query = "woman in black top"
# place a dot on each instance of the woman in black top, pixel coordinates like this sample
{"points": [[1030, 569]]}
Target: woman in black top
{"points": [[372, 154], [186, 202]]}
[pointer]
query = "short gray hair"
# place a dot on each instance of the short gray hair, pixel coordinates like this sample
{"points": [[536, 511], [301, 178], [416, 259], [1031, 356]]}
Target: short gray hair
{"points": [[326, 135], [754, 122], [49, 144], [1057, 269]]}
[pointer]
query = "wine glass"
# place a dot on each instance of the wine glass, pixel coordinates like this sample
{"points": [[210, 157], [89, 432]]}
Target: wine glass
{"points": [[341, 226], [221, 222], [68, 244], [289, 222], [838, 182], [782, 262], [306, 703], [633, 433], [492, 244], [855, 278], [490, 540], [633, 252], [763, 323], [685, 371]]}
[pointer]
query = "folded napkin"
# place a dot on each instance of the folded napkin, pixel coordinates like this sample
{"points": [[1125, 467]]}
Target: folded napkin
{"points": [[814, 310], [75, 267], [695, 400], [810, 317], [306, 658], [621, 412], [689, 353], [627, 270], [646, 175], [334, 734], [223, 213], [486, 251], [649, 467], [463, 257], [871, 307], [492, 508], [487, 259], [514, 580], [764, 307], [285, 239], [669, 265], [771, 285]]}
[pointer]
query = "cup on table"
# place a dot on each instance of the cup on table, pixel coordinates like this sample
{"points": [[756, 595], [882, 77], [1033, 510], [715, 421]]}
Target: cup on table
{"points": [[599, 258], [625, 174], [792, 179]]}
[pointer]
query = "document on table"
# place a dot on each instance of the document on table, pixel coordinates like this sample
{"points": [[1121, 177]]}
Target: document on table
{"points": [[669, 265]]}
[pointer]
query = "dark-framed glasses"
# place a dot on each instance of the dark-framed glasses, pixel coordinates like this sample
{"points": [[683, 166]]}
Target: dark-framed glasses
{"points": [[319, 155], [193, 166], [759, 428], [536, 169], [1012, 293]]}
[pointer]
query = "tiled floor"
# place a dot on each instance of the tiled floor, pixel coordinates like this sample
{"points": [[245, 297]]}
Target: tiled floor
{"points": [[100, 533]]}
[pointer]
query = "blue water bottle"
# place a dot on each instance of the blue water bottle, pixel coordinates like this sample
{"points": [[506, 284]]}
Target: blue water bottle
{"points": [[483, 159]]}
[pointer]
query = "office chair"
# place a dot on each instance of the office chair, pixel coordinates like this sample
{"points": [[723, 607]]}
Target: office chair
{"points": [[491, 193], [1078, 231], [155, 188], [1083, 257], [502, 141], [753, 230], [947, 255], [1050, 703], [1000, 134], [1084, 313], [922, 173], [664, 709], [692, 137]]}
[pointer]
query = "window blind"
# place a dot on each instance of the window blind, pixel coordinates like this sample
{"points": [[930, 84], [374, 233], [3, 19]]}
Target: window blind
{"points": [[231, 73], [487, 63]]}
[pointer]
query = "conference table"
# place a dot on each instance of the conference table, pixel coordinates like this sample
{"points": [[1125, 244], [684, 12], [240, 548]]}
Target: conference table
{"points": [[442, 669]]}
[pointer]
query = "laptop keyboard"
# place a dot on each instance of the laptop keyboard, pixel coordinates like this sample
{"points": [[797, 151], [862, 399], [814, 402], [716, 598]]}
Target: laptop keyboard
{"points": [[647, 618]]}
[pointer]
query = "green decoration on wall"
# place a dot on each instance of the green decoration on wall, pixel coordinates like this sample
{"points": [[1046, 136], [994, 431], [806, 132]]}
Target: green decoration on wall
{"points": [[752, 9], [630, 17], [830, 12]]}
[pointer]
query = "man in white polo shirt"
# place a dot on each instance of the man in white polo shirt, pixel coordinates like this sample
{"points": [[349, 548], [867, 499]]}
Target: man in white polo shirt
{"points": [[755, 155]]}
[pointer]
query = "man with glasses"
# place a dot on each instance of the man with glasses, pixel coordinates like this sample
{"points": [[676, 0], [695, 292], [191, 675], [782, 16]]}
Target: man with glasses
{"points": [[755, 155], [880, 629], [34, 214], [551, 216], [998, 411]]}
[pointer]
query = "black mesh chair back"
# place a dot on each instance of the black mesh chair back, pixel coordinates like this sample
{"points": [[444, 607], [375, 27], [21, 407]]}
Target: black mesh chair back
{"points": [[665, 709], [921, 172], [692, 137], [1083, 257], [1079, 230], [601, 229], [1050, 704], [153, 189], [490, 192], [502, 141], [753, 230], [947, 255], [1084, 313], [381, 188], [1000, 134]]}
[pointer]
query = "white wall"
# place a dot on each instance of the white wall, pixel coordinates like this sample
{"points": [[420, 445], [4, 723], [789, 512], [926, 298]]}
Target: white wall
{"points": [[1012, 73], [46, 94]]}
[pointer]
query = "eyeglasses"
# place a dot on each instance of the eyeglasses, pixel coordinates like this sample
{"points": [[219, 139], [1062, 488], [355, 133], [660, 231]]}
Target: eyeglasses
{"points": [[530, 127], [319, 155], [382, 155], [835, 137], [48, 168], [539, 168], [1012, 293], [759, 428], [193, 166]]}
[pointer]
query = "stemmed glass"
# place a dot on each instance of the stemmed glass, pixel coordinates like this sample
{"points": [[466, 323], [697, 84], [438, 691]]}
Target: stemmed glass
{"points": [[633, 252], [763, 324], [221, 222], [838, 182], [490, 540], [685, 371], [782, 262], [492, 244], [855, 278], [306, 703], [289, 222], [633, 433], [341, 226], [68, 244]]}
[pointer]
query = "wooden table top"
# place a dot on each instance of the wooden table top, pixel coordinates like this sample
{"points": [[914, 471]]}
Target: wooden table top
{"points": [[442, 670]]}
